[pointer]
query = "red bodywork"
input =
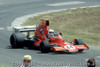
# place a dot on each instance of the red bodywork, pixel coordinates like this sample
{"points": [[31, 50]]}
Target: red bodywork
{"points": [[57, 43]]}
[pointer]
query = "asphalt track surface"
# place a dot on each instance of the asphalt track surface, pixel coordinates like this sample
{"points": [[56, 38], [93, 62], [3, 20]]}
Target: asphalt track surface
{"points": [[11, 9]]}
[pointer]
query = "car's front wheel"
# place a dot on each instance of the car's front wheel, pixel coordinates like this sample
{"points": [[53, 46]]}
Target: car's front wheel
{"points": [[45, 46], [79, 42], [81, 50]]}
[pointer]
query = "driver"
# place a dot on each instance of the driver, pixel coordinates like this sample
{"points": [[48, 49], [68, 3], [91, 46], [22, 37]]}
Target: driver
{"points": [[51, 33]]}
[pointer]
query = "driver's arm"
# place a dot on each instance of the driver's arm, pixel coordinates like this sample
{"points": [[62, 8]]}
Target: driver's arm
{"points": [[47, 35]]}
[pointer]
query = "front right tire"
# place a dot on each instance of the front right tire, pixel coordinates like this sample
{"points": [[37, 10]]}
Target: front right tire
{"points": [[81, 50], [79, 42]]}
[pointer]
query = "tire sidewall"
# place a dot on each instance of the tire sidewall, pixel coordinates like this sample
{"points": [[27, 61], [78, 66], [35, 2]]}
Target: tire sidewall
{"points": [[45, 46], [18, 41]]}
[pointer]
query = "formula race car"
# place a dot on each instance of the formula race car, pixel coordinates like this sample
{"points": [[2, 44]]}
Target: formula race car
{"points": [[45, 39]]}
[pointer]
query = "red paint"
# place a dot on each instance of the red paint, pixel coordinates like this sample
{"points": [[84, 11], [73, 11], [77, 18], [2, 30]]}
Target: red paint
{"points": [[42, 31]]}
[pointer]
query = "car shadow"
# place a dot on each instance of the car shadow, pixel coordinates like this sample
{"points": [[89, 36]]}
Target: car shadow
{"points": [[62, 53], [9, 47], [51, 52], [67, 53]]}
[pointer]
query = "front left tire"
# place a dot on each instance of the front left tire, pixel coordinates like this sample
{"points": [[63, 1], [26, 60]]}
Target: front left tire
{"points": [[45, 46]]}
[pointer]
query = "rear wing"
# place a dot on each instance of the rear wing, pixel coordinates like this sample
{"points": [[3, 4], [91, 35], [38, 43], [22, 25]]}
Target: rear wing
{"points": [[24, 29]]}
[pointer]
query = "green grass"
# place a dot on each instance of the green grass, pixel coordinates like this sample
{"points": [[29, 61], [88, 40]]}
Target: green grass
{"points": [[81, 23], [2, 66]]}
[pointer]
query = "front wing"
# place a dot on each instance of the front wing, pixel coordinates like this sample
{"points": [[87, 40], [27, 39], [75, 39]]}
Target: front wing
{"points": [[77, 47]]}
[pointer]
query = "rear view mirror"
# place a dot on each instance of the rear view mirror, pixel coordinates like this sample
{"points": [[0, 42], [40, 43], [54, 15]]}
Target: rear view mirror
{"points": [[60, 33], [47, 22]]}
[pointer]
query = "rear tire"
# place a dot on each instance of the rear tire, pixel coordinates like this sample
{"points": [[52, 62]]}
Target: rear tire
{"points": [[17, 40], [45, 46]]}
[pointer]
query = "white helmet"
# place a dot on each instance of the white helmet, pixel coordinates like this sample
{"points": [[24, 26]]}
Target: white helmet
{"points": [[51, 31]]}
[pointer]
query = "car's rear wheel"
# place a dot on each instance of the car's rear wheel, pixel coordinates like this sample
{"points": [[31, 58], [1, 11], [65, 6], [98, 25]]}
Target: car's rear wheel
{"points": [[79, 42], [17, 40], [45, 46]]}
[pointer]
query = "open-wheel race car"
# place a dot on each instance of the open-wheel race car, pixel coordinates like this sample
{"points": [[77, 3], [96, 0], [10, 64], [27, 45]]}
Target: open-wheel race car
{"points": [[44, 38]]}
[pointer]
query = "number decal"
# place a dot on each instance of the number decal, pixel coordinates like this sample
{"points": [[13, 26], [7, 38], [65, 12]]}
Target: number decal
{"points": [[69, 47]]}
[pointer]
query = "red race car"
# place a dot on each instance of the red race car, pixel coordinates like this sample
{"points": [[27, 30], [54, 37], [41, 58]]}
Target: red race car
{"points": [[44, 38]]}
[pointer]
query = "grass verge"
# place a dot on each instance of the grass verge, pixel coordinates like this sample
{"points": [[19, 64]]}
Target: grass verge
{"points": [[2, 66], [81, 23]]}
